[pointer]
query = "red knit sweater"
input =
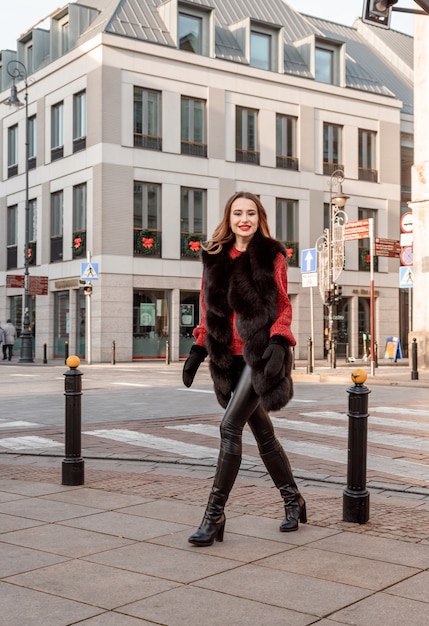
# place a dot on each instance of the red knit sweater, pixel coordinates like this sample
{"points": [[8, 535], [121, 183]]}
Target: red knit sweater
{"points": [[284, 310]]}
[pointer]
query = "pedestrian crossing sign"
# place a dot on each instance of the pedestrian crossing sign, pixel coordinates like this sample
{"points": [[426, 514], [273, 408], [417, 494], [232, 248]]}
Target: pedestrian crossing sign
{"points": [[89, 271], [406, 277]]}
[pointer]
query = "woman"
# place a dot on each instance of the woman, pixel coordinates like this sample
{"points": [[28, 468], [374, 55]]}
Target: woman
{"points": [[245, 329]]}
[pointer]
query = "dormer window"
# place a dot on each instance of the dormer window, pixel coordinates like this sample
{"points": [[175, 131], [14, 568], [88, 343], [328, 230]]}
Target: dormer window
{"points": [[190, 33], [65, 39], [260, 50], [329, 62]]}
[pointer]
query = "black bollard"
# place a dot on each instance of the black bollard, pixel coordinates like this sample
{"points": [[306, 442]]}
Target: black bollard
{"points": [[355, 495], [66, 351], [45, 358], [113, 352], [414, 371], [73, 464], [309, 356]]}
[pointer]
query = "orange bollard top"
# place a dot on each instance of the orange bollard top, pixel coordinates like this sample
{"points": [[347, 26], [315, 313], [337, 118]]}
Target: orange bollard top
{"points": [[359, 376], [73, 361]]}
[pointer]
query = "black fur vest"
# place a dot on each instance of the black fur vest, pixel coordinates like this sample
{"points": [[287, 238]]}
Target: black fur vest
{"points": [[247, 286]]}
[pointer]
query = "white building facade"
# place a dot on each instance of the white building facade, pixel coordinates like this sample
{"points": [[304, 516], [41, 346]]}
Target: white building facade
{"points": [[144, 117]]}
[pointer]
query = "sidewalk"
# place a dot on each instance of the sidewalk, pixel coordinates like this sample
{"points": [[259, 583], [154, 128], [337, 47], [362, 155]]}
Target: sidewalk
{"points": [[114, 551]]}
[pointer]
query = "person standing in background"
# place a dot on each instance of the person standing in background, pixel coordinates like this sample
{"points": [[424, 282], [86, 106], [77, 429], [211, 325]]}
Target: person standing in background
{"points": [[10, 336]]}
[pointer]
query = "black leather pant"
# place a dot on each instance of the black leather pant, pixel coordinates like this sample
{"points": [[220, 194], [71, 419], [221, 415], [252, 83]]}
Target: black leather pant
{"points": [[244, 408]]}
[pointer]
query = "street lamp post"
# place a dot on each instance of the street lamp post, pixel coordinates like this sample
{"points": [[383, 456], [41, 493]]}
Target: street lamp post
{"points": [[18, 71], [330, 247]]}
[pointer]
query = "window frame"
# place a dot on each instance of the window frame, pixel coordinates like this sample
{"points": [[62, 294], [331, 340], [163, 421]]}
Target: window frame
{"points": [[287, 228], [193, 227], [79, 120], [57, 130], [367, 151], [12, 150], [150, 114], [189, 122], [56, 225], [286, 142], [332, 148], [364, 244], [184, 14], [244, 152]]}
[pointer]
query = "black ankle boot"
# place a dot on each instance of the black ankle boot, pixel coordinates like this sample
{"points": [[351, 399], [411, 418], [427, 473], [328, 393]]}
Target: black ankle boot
{"points": [[294, 510], [279, 469], [213, 524]]}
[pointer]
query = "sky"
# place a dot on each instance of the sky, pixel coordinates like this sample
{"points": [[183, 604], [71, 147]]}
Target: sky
{"points": [[23, 14]]}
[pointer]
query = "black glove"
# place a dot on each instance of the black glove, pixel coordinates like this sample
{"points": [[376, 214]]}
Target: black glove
{"points": [[196, 356], [275, 355]]}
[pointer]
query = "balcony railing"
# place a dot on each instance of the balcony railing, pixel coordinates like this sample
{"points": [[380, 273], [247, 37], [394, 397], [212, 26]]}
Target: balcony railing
{"points": [[12, 257], [149, 142], [12, 170], [329, 168], [79, 144], [247, 156], [287, 162], [367, 174], [56, 249], [193, 148], [57, 153]]}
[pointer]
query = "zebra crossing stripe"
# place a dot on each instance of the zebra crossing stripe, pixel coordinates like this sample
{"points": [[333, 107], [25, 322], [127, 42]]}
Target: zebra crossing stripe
{"points": [[378, 421], [28, 443], [395, 467], [18, 424]]}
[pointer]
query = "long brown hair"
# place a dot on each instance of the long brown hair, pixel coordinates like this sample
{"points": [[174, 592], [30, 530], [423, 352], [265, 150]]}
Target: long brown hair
{"points": [[223, 233]]}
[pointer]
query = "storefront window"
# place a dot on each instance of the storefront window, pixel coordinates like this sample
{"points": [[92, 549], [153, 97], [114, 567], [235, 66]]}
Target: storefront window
{"points": [[150, 323], [189, 319], [61, 322]]}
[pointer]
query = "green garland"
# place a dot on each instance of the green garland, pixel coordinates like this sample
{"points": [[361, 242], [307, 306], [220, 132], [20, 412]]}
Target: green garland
{"points": [[192, 245], [147, 241], [78, 243]]}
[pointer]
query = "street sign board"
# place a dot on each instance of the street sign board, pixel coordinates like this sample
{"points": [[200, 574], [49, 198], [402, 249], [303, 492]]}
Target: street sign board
{"points": [[387, 247], [15, 281], [89, 271], [406, 239], [309, 279], [309, 260], [356, 230], [407, 256], [406, 277], [407, 222], [38, 285]]}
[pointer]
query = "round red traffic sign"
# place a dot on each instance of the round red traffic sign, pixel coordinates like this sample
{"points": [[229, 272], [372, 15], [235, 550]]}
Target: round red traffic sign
{"points": [[407, 222], [407, 256]]}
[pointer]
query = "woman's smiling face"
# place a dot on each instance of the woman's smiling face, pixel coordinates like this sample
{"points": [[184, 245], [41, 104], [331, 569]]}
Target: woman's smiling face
{"points": [[244, 220]]}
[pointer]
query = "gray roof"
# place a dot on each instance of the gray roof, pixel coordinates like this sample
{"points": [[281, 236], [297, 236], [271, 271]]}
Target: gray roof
{"points": [[367, 69]]}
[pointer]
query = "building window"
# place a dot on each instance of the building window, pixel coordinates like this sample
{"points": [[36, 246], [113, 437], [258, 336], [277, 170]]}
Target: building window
{"points": [[147, 119], [11, 240], [193, 127], [364, 244], [332, 157], [287, 228], [79, 121], [12, 151], [324, 65], [32, 142], [246, 135], [32, 231], [192, 221], [79, 220], [65, 36], [367, 155], [147, 219], [29, 58], [56, 226], [260, 50], [407, 160], [286, 150], [57, 131], [190, 33]]}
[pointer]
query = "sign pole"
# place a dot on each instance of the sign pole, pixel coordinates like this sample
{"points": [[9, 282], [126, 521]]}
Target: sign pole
{"points": [[312, 326], [371, 297], [88, 323]]}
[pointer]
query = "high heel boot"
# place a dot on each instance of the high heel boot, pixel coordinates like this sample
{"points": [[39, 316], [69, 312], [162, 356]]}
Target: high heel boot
{"points": [[279, 469], [213, 524]]}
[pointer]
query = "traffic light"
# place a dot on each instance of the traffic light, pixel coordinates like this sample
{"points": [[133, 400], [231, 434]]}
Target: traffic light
{"points": [[378, 12], [328, 297], [338, 293], [86, 286]]}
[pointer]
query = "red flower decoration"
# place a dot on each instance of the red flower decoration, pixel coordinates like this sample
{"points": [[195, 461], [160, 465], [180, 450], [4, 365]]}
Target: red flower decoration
{"points": [[29, 253], [289, 253], [368, 258], [147, 242], [195, 246], [77, 242]]}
